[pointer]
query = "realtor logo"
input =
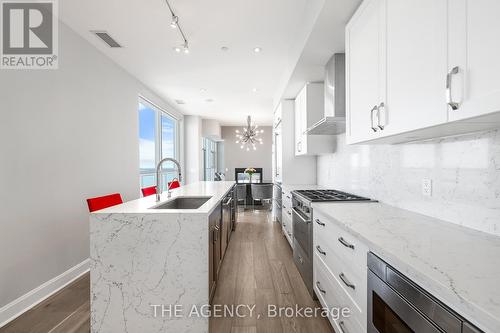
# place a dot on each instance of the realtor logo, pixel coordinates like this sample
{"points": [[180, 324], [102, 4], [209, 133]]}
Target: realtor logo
{"points": [[29, 36]]}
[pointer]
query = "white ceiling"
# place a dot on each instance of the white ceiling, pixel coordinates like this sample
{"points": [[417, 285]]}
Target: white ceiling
{"points": [[280, 27], [327, 38]]}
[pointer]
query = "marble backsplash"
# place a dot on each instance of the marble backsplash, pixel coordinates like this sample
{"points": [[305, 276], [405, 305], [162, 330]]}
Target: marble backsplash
{"points": [[465, 174]]}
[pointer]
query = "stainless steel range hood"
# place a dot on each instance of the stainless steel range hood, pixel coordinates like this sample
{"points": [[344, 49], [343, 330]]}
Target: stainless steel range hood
{"points": [[334, 120]]}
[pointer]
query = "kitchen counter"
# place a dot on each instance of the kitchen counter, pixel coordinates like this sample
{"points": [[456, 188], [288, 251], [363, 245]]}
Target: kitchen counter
{"points": [[142, 257], [216, 190], [459, 266]]}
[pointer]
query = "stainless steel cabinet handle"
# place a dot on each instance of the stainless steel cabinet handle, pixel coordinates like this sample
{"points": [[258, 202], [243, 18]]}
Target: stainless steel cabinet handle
{"points": [[289, 212], [290, 235], [375, 108], [320, 223], [454, 105], [381, 106], [284, 206], [342, 327], [323, 291], [296, 212], [346, 281], [320, 250], [299, 146], [345, 243], [216, 234], [288, 196]]}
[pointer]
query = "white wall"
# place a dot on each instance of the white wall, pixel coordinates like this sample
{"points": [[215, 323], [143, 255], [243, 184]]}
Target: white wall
{"points": [[235, 157], [65, 135], [193, 154], [465, 172], [211, 129]]}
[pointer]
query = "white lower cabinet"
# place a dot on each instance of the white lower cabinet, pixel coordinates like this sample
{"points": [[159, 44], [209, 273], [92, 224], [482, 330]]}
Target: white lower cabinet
{"points": [[333, 298], [340, 273], [287, 225], [286, 212]]}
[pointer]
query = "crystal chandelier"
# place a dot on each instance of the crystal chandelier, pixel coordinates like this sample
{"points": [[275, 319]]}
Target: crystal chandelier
{"points": [[249, 136]]}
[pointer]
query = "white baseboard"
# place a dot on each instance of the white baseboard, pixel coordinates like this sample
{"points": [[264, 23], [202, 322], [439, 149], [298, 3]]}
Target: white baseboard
{"points": [[17, 307]]}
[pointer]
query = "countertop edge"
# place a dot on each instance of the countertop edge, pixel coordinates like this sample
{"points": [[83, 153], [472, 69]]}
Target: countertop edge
{"points": [[143, 205]]}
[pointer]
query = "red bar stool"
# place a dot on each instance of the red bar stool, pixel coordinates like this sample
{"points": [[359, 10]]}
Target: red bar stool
{"points": [[174, 184], [147, 191], [106, 201]]}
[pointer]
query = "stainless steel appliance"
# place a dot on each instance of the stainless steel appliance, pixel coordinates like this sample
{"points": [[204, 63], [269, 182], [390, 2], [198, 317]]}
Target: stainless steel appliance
{"points": [[302, 218], [398, 305], [226, 226], [334, 120], [215, 248]]}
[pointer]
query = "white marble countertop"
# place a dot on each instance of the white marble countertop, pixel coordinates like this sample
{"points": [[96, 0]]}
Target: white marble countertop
{"points": [[459, 266], [215, 190]]}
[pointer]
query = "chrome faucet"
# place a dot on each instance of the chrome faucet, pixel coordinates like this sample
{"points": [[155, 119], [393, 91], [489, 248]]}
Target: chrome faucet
{"points": [[158, 176]]}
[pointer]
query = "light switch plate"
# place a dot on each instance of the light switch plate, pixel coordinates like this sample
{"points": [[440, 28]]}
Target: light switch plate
{"points": [[427, 187]]}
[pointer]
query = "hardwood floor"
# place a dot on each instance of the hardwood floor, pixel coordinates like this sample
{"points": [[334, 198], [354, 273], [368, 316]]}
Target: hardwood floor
{"points": [[258, 270], [67, 311]]}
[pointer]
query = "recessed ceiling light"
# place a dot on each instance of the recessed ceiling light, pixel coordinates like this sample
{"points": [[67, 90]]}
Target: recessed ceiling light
{"points": [[257, 49], [255, 90], [224, 48], [177, 49]]}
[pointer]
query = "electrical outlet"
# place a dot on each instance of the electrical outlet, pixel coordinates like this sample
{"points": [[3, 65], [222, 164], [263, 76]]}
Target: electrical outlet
{"points": [[427, 187]]}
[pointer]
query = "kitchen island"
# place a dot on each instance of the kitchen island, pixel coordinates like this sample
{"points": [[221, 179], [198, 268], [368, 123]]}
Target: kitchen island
{"points": [[150, 267]]}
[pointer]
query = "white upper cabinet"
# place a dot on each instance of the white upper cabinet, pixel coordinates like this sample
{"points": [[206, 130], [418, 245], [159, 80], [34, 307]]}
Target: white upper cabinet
{"points": [[365, 72], [309, 109], [416, 65], [420, 69], [474, 44]]}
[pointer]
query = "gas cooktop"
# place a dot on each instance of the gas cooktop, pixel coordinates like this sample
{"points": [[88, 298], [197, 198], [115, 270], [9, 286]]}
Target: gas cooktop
{"points": [[329, 195]]}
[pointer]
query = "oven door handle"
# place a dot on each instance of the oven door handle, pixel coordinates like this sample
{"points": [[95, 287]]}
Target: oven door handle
{"points": [[296, 212]]}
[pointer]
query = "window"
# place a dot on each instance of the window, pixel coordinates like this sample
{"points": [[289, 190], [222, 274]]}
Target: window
{"points": [[209, 159], [158, 138]]}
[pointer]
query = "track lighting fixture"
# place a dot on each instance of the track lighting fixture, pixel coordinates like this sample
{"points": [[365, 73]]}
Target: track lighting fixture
{"points": [[175, 24]]}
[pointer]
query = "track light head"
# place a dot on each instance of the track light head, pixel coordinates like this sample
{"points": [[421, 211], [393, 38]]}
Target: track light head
{"points": [[175, 21]]}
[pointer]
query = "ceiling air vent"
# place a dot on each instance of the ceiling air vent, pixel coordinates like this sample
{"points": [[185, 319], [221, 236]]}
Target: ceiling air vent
{"points": [[106, 38], [180, 101]]}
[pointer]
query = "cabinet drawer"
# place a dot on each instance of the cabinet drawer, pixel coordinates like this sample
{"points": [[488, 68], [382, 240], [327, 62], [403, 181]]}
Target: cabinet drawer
{"points": [[289, 237], [348, 325], [286, 198], [331, 295], [345, 246], [287, 212], [288, 228], [352, 280]]}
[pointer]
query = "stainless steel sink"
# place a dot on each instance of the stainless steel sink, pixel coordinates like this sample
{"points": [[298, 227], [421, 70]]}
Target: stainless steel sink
{"points": [[183, 203]]}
